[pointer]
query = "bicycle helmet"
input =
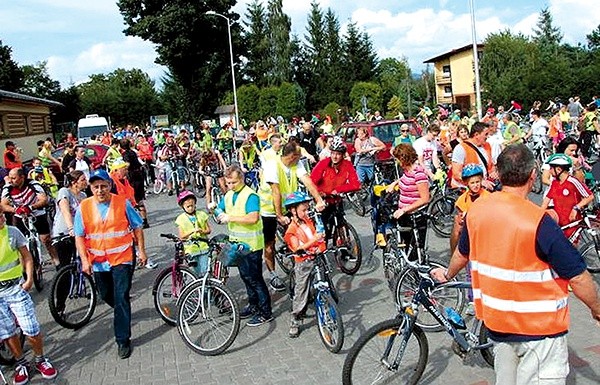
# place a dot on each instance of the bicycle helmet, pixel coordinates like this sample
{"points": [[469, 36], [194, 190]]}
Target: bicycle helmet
{"points": [[337, 144], [296, 198], [561, 160], [185, 195], [471, 169]]}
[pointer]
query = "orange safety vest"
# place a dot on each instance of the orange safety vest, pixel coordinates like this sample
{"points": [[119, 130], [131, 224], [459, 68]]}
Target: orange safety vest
{"points": [[300, 233], [110, 239], [473, 157], [9, 165], [124, 188], [514, 291]]}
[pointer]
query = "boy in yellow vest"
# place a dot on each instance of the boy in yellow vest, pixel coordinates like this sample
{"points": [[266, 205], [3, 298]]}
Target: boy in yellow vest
{"points": [[192, 224]]}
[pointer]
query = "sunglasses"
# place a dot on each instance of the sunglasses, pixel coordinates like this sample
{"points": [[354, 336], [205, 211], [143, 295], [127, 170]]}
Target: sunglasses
{"points": [[403, 130]]}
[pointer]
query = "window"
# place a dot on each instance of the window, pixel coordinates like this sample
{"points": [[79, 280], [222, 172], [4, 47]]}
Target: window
{"points": [[446, 71], [448, 91]]}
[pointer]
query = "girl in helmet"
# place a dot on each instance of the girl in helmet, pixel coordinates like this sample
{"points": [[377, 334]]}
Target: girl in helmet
{"points": [[567, 194], [301, 234], [192, 224]]}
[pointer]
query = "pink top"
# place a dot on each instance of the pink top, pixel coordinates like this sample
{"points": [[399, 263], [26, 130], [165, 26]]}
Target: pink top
{"points": [[409, 192]]}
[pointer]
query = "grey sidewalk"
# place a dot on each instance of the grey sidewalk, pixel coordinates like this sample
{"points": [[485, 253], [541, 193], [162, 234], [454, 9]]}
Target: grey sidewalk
{"points": [[262, 355]]}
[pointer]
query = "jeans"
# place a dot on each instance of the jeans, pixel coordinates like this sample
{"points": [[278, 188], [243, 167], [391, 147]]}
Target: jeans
{"points": [[250, 268], [113, 287], [365, 172]]}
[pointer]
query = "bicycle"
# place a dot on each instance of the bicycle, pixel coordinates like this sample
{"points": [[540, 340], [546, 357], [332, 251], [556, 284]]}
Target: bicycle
{"points": [[170, 281], [324, 294], [215, 193], [251, 178], [73, 295], [180, 175], [197, 179], [396, 350], [160, 181], [441, 206], [540, 152], [382, 171], [34, 246], [208, 316], [586, 239]]}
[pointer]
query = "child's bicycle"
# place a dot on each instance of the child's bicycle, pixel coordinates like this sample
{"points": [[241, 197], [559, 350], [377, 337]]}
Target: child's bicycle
{"points": [[34, 246], [327, 314], [396, 350], [160, 181], [208, 316], [73, 295]]}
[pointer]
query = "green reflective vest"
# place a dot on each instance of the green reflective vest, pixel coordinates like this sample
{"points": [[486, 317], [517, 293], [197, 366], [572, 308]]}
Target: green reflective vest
{"points": [[286, 186], [10, 265]]}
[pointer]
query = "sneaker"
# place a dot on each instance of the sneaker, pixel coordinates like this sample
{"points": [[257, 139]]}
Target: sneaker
{"points": [[258, 320], [380, 240], [21, 375], [124, 351], [277, 284], [146, 225], [170, 193], [150, 264], [294, 328], [46, 369], [247, 312], [470, 309]]}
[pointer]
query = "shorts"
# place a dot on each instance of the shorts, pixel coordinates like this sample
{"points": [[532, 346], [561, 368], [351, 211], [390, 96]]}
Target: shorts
{"points": [[139, 192], [41, 225], [16, 303], [269, 228]]}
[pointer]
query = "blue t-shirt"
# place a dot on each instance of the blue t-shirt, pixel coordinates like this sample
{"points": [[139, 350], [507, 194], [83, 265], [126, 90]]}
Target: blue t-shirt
{"points": [[134, 218], [252, 204]]}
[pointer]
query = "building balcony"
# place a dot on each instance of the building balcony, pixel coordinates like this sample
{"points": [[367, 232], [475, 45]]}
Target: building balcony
{"points": [[444, 78], [445, 99]]}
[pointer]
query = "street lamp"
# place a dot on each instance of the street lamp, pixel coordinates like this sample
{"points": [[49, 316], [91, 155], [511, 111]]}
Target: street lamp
{"points": [[476, 60], [235, 105]]}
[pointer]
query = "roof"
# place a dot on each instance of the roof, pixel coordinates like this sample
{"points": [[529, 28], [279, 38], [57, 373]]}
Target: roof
{"points": [[453, 52], [26, 98], [225, 109]]}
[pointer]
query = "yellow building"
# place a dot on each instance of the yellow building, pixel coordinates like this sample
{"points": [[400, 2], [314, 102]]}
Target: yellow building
{"points": [[454, 73], [24, 119]]}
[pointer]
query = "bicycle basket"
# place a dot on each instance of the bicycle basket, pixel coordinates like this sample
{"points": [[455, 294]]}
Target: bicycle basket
{"points": [[385, 205]]}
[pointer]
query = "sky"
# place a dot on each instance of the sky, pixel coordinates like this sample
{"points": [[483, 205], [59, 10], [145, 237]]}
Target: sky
{"points": [[78, 38]]}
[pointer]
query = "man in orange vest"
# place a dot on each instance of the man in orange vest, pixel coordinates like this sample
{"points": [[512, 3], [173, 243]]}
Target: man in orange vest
{"points": [[105, 228], [520, 273], [475, 150], [12, 156]]}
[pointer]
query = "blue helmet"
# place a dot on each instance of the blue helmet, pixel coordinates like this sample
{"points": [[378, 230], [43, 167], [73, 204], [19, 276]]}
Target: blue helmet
{"points": [[296, 198], [471, 169]]}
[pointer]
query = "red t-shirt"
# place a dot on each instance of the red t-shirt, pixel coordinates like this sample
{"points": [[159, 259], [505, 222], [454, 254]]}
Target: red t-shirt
{"points": [[565, 196]]}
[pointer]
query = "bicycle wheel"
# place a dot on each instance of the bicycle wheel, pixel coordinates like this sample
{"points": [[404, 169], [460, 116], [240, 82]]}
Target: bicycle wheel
{"points": [[442, 213], [358, 205], [537, 183], [6, 356], [591, 256], [72, 299], [208, 317], [158, 186], [484, 338], [329, 320], [199, 186], [38, 273], [348, 253], [165, 295], [371, 359], [408, 284], [282, 253], [390, 262]]}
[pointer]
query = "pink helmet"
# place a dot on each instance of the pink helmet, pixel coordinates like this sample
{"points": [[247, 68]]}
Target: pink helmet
{"points": [[185, 195]]}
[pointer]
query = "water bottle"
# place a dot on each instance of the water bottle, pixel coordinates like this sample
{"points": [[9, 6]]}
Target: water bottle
{"points": [[243, 248], [455, 319], [319, 224], [216, 212]]}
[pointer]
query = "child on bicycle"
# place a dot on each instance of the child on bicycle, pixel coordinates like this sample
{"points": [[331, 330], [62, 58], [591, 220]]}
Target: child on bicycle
{"points": [[567, 194], [192, 224], [301, 235]]}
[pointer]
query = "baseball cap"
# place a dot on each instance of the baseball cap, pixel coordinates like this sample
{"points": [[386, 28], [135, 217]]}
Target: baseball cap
{"points": [[99, 174]]}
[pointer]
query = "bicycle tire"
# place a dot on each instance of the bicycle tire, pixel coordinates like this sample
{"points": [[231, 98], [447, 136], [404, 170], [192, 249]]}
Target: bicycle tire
{"points": [[282, 253], [199, 186], [484, 338], [358, 205], [158, 186], [591, 255], [391, 266], [442, 213], [217, 308], [75, 313], [363, 364], [38, 269], [329, 322], [350, 258], [6, 356], [537, 183], [408, 284], [163, 289]]}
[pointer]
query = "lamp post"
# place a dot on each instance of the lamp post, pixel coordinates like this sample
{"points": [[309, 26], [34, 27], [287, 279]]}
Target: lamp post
{"points": [[235, 105], [476, 60]]}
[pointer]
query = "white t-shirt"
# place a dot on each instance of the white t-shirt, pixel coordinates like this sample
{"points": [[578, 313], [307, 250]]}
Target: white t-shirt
{"points": [[495, 142], [425, 149], [272, 176], [539, 128]]}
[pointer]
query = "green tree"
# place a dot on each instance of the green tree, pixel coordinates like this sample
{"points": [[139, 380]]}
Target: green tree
{"points": [[267, 101], [334, 86], [392, 75], [256, 39], [545, 33], [248, 97], [593, 39], [37, 81], [190, 43], [172, 97], [280, 53], [360, 59], [370, 90], [315, 59], [11, 76], [394, 107], [332, 109], [290, 100], [71, 112]]}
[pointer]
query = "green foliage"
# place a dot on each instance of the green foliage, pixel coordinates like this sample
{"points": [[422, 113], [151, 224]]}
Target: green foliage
{"points": [[593, 39], [11, 76], [545, 33], [127, 96], [394, 107], [267, 101], [392, 76], [248, 97], [290, 100], [331, 109], [280, 53], [37, 82], [256, 39], [372, 91]]}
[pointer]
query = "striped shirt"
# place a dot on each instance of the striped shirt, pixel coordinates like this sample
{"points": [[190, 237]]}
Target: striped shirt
{"points": [[409, 192]]}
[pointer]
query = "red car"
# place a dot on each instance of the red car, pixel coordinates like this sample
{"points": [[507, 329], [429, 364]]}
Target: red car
{"points": [[384, 130]]}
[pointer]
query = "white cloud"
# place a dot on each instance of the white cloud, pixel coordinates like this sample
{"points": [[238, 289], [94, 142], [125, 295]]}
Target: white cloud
{"points": [[576, 18], [128, 53]]}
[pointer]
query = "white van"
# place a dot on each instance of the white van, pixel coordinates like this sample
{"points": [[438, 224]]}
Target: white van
{"points": [[91, 125]]}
